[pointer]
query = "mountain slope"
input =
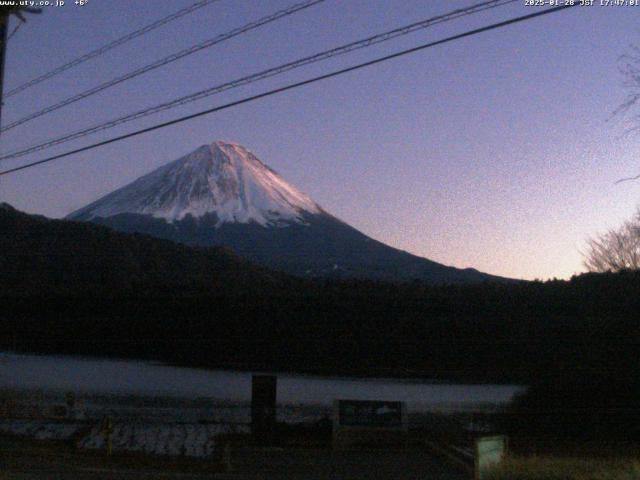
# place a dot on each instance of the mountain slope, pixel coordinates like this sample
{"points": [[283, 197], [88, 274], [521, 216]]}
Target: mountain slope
{"points": [[223, 195], [222, 178], [43, 257]]}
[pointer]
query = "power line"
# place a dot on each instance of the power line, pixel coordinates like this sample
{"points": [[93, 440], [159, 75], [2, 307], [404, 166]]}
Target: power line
{"points": [[164, 61], [110, 46], [14, 31], [295, 85], [341, 50]]}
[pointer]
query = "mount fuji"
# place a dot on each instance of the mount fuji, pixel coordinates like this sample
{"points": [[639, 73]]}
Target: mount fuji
{"points": [[223, 195]]}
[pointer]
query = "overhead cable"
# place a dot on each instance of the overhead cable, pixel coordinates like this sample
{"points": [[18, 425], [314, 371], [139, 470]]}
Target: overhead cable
{"points": [[271, 72], [294, 85], [109, 46]]}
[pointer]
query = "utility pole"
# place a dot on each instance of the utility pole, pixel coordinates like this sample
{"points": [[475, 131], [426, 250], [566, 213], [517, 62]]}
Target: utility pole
{"points": [[4, 27], [5, 12]]}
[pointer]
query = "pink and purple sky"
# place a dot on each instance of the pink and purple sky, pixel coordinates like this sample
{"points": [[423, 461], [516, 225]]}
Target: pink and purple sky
{"points": [[496, 152]]}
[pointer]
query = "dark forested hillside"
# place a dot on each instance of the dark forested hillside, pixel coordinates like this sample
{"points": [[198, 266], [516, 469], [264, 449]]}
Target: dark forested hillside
{"points": [[42, 257], [68, 287]]}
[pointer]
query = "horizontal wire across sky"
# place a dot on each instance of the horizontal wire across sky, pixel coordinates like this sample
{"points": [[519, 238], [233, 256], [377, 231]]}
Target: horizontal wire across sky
{"points": [[324, 55]]}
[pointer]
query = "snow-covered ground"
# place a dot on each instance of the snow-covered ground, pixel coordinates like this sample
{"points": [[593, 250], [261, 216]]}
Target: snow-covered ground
{"points": [[191, 440], [40, 430], [185, 440]]}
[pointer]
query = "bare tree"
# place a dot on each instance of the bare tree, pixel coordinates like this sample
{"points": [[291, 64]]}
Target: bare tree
{"points": [[630, 70], [629, 65], [618, 249]]}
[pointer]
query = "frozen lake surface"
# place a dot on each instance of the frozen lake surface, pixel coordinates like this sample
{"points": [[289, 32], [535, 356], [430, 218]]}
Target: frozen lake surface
{"points": [[137, 378]]}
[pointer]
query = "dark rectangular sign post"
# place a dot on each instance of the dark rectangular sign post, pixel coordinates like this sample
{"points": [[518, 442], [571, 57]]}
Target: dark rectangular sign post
{"points": [[263, 407]]}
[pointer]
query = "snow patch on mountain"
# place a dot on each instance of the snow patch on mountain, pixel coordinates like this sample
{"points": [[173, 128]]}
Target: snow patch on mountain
{"points": [[224, 179]]}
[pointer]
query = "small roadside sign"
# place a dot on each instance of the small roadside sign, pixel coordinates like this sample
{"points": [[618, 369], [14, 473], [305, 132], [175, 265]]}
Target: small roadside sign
{"points": [[489, 451], [370, 413], [360, 422]]}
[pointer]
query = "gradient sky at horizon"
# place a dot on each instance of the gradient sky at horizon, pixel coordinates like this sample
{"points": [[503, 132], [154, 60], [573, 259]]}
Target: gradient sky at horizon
{"points": [[497, 152]]}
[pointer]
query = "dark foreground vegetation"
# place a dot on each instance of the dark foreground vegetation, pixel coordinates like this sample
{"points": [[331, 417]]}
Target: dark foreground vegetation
{"points": [[78, 288], [540, 468]]}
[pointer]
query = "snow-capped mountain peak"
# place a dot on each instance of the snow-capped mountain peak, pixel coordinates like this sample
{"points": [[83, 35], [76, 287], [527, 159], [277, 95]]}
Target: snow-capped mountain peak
{"points": [[224, 179]]}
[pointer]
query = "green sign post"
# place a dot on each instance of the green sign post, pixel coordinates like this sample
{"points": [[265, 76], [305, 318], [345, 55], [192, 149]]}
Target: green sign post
{"points": [[489, 451]]}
